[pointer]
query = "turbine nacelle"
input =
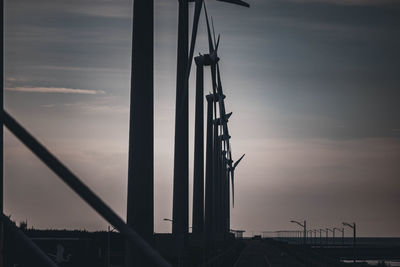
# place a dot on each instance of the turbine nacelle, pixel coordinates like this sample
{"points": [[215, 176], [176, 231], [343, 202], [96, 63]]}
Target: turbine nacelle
{"points": [[212, 97], [206, 60], [224, 137], [198, 7], [224, 120], [220, 97]]}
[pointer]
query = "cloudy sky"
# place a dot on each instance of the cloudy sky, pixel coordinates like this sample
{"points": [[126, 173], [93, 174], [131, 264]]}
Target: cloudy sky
{"points": [[313, 86]]}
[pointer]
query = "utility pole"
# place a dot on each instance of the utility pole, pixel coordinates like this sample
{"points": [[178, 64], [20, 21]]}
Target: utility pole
{"points": [[140, 204]]}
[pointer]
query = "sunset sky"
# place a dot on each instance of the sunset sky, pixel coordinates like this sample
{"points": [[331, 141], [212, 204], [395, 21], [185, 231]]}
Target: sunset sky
{"points": [[314, 87]]}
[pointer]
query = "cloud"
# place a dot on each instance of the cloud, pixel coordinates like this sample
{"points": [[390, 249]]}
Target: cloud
{"points": [[55, 90]]}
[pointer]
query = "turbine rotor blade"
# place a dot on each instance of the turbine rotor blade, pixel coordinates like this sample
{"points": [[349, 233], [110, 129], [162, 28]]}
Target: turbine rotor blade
{"points": [[210, 43], [197, 11], [236, 2], [219, 79], [213, 31], [217, 44], [233, 186], [237, 162]]}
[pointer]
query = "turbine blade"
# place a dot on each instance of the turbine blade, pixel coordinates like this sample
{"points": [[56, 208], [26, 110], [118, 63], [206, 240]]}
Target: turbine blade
{"points": [[237, 162], [217, 44], [210, 43], [197, 11], [219, 80], [233, 187], [236, 2], [213, 30]]}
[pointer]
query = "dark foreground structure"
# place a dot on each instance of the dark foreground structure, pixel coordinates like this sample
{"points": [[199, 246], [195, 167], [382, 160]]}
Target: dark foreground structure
{"points": [[135, 244], [142, 246], [82, 248]]}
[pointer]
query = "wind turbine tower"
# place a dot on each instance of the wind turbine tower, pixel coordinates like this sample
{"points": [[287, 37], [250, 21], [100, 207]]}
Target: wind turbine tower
{"points": [[140, 203]]}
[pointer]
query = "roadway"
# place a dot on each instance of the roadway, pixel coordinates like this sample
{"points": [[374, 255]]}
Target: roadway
{"points": [[258, 254]]}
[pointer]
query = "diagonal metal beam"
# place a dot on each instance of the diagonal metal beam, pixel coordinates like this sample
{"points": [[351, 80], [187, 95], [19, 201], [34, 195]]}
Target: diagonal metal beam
{"points": [[81, 189]]}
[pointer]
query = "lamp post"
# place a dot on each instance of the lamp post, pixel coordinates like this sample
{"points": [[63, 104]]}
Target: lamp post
{"points": [[333, 234], [327, 235], [353, 226], [109, 230], [310, 232], [304, 225], [342, 231], [320, 234], [315, 236]]}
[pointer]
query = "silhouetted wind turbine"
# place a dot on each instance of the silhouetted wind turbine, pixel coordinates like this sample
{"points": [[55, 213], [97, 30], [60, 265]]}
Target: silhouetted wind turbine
{"points": [[220, 159], [198, 167], [217, 86], [232, 171], [181, 146]]}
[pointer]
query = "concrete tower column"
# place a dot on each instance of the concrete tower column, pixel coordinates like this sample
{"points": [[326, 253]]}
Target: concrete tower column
{"points": [[198, 175], [140, 206]]}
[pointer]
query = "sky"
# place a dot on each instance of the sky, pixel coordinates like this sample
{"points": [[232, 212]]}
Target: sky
{"points": [[313, 86]]}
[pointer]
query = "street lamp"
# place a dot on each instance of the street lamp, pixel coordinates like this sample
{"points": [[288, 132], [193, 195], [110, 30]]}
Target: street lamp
{"points": [[304, 225], [333, 234], [353, 226], [342, 231], [320, 235], [309, 234], [315, 236]]}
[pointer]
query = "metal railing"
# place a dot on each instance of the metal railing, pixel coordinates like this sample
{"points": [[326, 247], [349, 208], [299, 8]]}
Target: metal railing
{"points": [[82, 190]]}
